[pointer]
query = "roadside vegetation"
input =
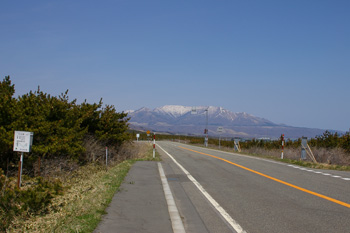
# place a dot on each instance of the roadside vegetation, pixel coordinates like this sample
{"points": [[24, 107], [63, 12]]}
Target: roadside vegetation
{"points": [[87, 192], [331, 150], [65, 171]]}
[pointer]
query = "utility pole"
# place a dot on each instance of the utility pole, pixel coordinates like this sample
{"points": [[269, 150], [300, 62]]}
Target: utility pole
{"points": [[206, 129], [282, 138]]}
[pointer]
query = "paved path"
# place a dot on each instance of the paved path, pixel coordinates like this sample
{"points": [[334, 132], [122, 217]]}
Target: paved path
{"points": [[140, 205]]}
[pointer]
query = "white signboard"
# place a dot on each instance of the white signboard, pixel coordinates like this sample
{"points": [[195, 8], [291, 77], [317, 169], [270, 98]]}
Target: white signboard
{"points": [[23, 141], [220, 129], [138, 135], [194, 111]]}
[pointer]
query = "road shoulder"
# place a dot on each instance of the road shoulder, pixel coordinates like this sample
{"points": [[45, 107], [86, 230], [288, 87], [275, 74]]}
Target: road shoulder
{"points": [[140, 205]]}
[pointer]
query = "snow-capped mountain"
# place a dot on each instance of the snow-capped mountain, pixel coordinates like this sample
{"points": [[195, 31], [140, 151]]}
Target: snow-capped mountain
{"points": [[173, 110], [189, 120]]}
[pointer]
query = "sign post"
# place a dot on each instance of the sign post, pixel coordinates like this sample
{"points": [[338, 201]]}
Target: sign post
{"points": [[148, 134], [20, 169], [154, 145], [23, 142]]}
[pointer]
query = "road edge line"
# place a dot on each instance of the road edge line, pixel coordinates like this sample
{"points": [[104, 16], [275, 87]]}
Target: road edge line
{"points": [[216, 205], [175, 218]]}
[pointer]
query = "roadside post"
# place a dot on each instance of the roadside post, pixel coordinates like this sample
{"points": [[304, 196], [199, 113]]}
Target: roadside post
{"points": [[206, 131], [206, 138], [303, 147], [137, 136], [154, 145], [236, 145], [220, 129], [23, 142], [148, 134], [106, 157], [282, 146], [306, 149]]}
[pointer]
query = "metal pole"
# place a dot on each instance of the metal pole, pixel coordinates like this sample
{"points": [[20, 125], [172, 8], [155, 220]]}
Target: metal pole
{"points": [[206, 129], [19, 174], [21, 169], [219, 142]]}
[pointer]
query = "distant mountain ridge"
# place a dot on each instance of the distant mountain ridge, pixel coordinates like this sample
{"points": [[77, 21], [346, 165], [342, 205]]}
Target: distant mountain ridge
{"points": [[178, 119]]}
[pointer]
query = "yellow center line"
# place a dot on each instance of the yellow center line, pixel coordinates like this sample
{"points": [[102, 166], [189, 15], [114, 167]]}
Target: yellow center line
{"points": [[275, 179]]}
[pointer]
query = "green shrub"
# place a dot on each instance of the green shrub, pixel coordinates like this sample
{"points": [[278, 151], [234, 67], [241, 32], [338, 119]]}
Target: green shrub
{"points": [[37, 198], [33, 199], [8, 206], [59, 124]]}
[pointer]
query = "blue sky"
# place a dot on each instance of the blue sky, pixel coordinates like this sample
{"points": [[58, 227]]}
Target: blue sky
{"points": [[286, 61]]}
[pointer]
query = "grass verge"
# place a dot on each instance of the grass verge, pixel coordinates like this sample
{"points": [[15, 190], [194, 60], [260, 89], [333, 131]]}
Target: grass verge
{"points": [[301, 163], [316, 165], [290, 161], [87, 194]]}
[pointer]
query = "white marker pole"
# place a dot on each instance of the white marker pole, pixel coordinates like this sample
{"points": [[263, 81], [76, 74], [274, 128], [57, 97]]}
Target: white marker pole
{"points": [[20, 175], [154, 145], [106, 156]]}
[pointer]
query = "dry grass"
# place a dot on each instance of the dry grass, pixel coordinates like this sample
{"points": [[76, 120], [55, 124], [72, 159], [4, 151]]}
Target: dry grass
{"points": [[335, 158], [88, 191]]}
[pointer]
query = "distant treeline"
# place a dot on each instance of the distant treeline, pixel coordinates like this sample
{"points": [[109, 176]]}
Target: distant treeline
{"points": [[326, 140], [60, 125]]}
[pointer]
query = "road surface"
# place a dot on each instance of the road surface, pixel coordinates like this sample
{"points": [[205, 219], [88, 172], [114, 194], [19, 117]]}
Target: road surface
{"points": [[226, 192]]}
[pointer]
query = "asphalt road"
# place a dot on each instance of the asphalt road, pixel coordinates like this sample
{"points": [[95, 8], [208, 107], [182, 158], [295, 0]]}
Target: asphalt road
{"points": [[227, 192]]}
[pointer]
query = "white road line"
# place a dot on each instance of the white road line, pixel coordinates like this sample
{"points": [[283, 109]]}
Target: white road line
{"points": [[231, 153], [289, 165], [216, 205], [176, 222], [317, 172]]}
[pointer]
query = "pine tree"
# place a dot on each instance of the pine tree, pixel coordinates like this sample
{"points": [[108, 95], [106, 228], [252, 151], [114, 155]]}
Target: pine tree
{"points": [[7, 116]]}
